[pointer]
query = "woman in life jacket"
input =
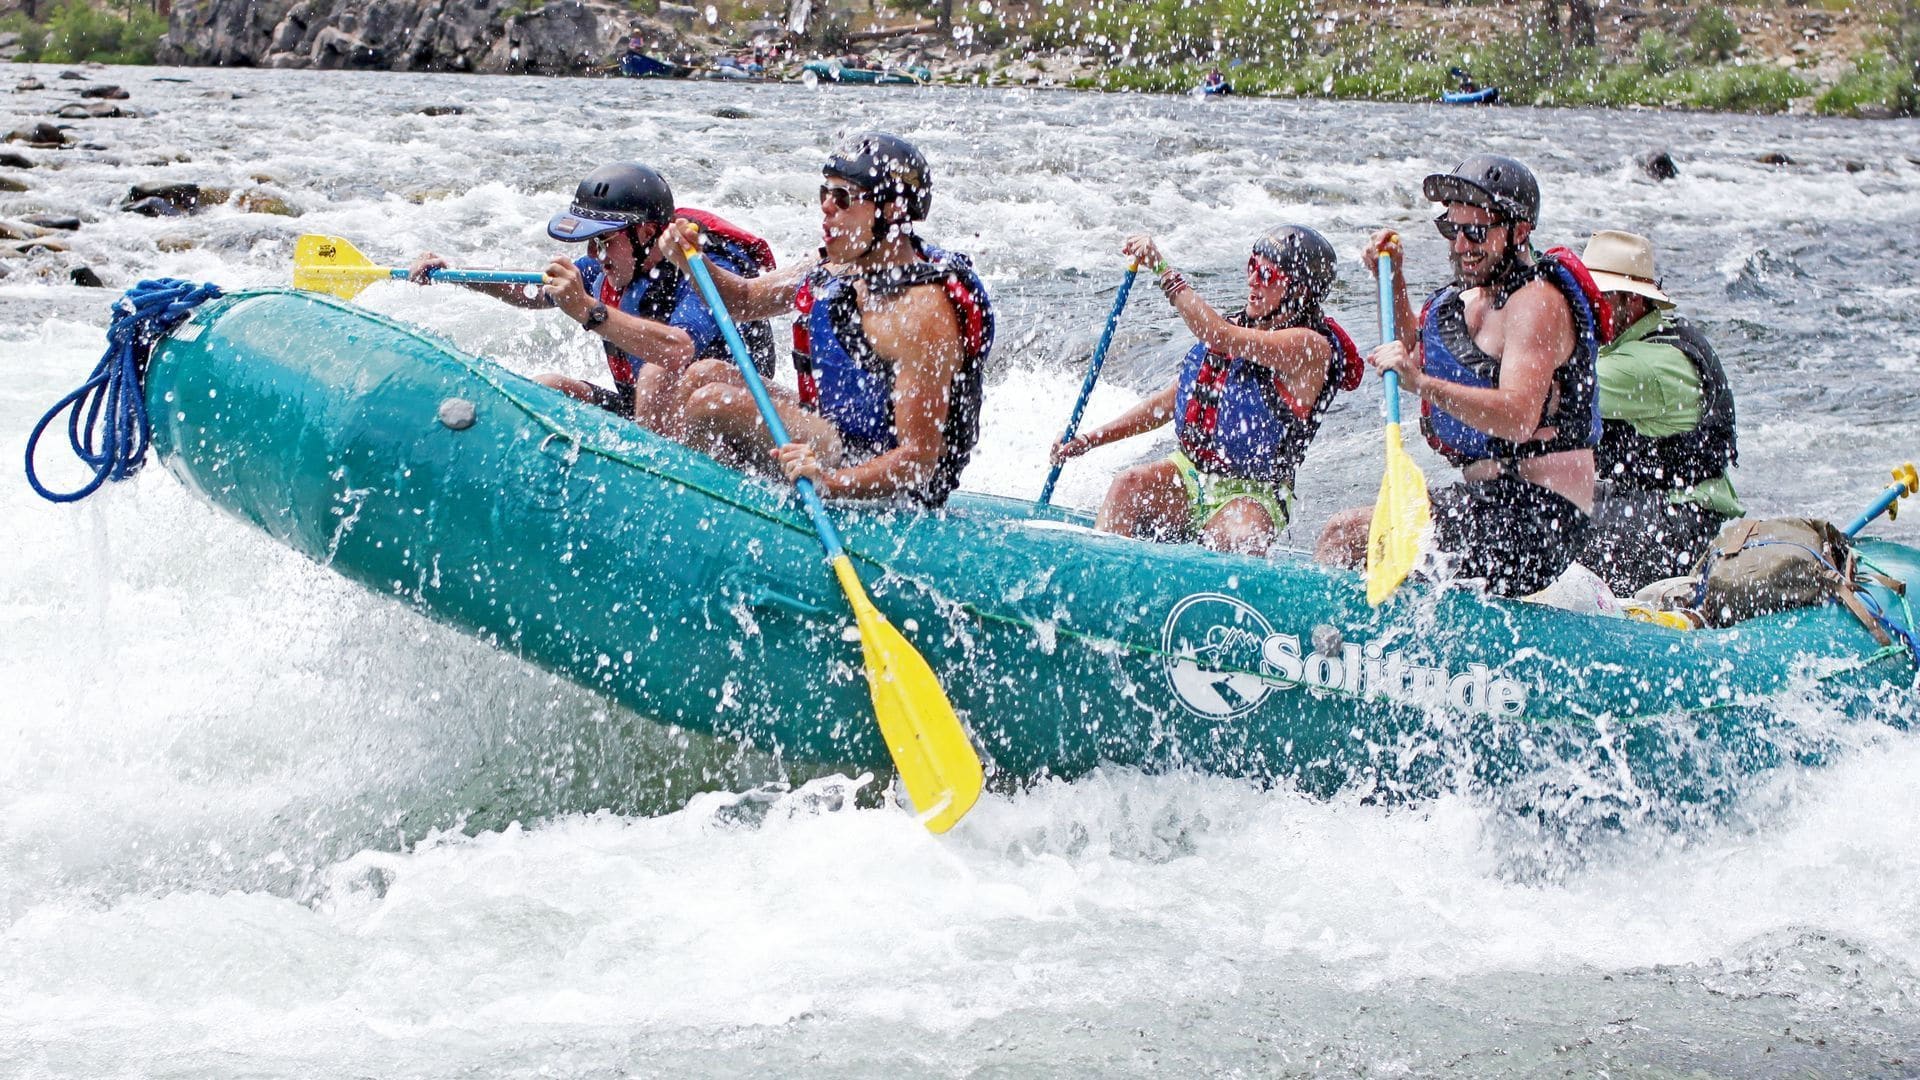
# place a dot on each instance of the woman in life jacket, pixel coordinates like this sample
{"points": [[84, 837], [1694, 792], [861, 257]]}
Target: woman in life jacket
{"points": [[1246, 403], [649, 318], [890, 345]]}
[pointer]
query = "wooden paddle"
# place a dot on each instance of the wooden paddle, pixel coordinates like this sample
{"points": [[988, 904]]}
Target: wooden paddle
{"points": [[930, 748], [331, 264], [1093, 373], [1401, 513]]}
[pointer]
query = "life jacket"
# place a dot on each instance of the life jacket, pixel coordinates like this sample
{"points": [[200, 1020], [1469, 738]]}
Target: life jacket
{"points": [[655, 294], [841, 378], [1447, 352], [1676, 462], [1236, 417]]}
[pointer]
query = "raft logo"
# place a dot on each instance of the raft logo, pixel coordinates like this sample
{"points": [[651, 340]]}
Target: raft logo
{"points": [[1223, 658], [1212, 645]]}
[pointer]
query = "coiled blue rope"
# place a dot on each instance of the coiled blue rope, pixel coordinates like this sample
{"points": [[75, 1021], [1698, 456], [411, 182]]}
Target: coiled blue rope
{"points": [[108, 426]]}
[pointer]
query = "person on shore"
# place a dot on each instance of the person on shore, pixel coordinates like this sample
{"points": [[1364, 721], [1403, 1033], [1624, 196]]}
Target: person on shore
{"points": [[1248, 400], [890, 347], [1503, 360], [649, 317], [1668, 436]]}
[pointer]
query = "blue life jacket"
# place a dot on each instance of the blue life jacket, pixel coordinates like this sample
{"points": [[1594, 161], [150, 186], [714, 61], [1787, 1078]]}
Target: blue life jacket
{"points": [[841, 378], [1447, 352], [665, 295], [1235, 417]]}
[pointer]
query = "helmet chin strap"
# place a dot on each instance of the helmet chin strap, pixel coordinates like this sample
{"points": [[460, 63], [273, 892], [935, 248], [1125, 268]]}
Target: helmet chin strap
{"points": [[1513, 271]]}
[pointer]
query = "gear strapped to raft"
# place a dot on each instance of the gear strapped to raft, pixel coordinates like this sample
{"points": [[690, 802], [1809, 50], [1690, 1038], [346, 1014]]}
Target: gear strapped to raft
{"points": [[1673, 462], [841, 378], [109, 428], [1448, 352], [1760, 567], [653, 295], [1236, 417]]}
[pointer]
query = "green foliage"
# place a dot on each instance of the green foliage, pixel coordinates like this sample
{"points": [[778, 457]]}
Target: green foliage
{"points": [[1714, 34], [1280, 48], [1888, 79], [1759, 88], [33, 36], [1658, 54], [77, 31], [1872, 82], [1170, 31], [1905, 54]]}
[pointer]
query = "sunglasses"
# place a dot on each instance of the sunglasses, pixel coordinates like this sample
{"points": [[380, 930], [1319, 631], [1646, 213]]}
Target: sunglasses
{"points": [[842, 198], [1265, 273], [1476, 234]]}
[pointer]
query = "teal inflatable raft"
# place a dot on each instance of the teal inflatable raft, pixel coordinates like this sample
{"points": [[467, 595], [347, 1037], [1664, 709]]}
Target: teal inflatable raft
{"points": [[698, 597], [835, 71]]}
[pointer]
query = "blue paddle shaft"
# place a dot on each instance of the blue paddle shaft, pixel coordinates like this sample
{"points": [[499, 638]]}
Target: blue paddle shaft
{"points": [[1887, 498], [1093, 375], [500, 277], [829, 536], [1385, 275]]}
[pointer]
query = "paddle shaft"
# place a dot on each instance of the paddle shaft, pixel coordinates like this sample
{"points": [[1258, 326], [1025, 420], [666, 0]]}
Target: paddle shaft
{"points": [[1392, 378], [499, 277], [1887, 498], [829, 536], [1093, 375]]}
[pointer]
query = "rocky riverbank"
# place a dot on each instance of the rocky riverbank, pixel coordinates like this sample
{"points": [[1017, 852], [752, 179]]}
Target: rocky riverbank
{"points": [[1753, 57]]}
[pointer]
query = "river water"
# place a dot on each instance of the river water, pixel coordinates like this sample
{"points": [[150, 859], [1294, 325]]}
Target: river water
{"points": [[256, 822]]}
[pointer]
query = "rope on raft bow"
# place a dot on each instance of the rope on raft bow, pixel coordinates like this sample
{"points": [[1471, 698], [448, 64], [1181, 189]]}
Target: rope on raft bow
{"points": [[108, 427]]}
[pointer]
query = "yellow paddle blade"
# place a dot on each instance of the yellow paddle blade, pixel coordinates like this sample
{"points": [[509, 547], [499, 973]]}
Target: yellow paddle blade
{"points": [[1400, 516], [937, 763], [331, 264]]}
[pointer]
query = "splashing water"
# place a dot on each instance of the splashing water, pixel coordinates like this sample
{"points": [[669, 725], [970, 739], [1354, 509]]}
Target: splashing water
{"points": [[255, 821]]}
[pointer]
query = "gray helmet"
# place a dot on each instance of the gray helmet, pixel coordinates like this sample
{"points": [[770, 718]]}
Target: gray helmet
{"points": [[614, 197], [888, 167], [1306, 257], [1491, 182]]}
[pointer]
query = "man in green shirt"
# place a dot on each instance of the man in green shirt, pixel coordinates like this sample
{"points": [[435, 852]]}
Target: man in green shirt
{"points": [[1668, 437]]}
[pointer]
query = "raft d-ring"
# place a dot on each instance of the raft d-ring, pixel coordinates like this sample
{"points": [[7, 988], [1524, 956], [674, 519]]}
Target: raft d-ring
{"points": [[573, 446]]}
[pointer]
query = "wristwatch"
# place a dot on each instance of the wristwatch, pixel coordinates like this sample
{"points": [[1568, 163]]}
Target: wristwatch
{"points": [[595, 316]]}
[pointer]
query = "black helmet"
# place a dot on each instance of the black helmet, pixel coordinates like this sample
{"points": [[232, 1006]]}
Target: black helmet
{"points": [[1491, 182], [614, 197], [886, 166], [1303, 254]]}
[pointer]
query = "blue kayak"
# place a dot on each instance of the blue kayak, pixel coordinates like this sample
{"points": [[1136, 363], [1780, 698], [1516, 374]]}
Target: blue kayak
{"points": [[1486, 95]]}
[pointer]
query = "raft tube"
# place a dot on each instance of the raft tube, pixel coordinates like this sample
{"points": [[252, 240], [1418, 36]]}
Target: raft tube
{"points": [[698, 597]]}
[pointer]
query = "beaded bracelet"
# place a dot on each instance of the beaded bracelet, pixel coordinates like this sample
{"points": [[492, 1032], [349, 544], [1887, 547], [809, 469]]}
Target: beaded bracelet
{"points": [[1173, 283]]}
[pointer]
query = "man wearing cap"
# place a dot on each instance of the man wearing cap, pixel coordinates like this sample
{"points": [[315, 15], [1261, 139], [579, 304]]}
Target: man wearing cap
{"points": [[649, 318], [1503, 362], [1668, 439], [890, 347]]}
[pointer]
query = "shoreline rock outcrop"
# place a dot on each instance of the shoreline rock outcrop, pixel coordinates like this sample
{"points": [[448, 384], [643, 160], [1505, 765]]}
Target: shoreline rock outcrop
{"points": [[485, 36]]}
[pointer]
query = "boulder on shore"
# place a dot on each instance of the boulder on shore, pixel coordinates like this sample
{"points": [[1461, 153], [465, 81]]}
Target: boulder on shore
{"points": [[557, 37]]}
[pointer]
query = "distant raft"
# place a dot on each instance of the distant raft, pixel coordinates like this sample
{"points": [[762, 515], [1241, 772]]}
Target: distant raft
{"points": [[1486, 95], [697, 596], [641, 66], [834, 71]]}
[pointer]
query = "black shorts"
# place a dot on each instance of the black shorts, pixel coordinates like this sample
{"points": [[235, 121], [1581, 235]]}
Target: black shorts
{"points": [[1516, 535], [617, 400], [1639, 537]]}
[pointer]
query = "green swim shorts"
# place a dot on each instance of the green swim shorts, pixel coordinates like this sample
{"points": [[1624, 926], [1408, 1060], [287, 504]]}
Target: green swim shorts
{"points": [[1208, 494]]}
